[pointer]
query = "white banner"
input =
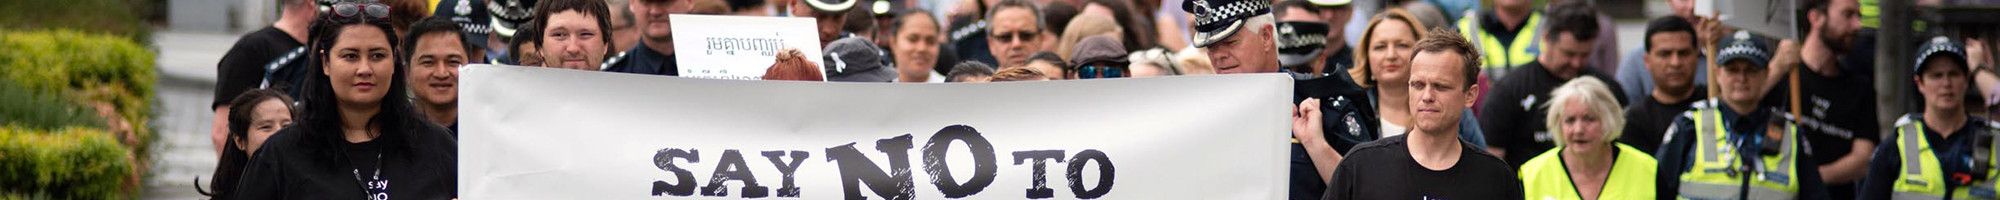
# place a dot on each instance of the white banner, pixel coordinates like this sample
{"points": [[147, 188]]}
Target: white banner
{"points": [[538, 133], [739, 47]]}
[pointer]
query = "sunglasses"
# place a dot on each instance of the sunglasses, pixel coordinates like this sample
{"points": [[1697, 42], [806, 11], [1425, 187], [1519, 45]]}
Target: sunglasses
{"points": [[352, 10], [1100, 70], [1018, 36]]}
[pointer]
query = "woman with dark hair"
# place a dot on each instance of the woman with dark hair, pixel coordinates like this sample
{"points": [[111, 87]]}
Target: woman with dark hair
{"points": [[359, 134], [253, 117]]}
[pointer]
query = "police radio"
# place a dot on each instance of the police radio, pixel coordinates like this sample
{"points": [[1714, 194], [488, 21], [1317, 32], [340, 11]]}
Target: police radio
{"points": [[1980, 160]]}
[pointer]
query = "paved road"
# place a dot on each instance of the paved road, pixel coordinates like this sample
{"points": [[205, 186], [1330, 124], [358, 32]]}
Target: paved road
{"points": [[187, 78]]}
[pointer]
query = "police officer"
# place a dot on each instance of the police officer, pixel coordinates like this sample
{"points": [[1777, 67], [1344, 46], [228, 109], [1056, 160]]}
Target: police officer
{"points": [[1732, 146], [1942, 152]]}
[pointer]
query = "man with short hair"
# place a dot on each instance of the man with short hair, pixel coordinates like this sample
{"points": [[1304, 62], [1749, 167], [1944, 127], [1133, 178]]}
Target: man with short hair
{"points": [[1733, 145], [1015, 32], [1430, 162], [435, 49], [1938, 153], [654, 54], [1836, 101], [271, 57], [1511, 114], [574, 33], [1638, 79], [1671, 56]]}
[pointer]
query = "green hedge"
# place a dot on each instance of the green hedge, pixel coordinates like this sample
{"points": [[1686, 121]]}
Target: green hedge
{"points": [[123, 18], [63, 149], [68, 163], [94, 67], [29, 109]]}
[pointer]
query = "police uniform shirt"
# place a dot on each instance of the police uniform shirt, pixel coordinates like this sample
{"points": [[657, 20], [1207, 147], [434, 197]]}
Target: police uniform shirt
{"points": [[1675, 156], [1887, 165]]}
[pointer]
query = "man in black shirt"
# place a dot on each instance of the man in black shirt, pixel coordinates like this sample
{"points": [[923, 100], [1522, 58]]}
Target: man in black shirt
{"points": [[270, 57], [1430, 162], [1837, 106], [1512, 114], [655, 52], [1670, 54]]}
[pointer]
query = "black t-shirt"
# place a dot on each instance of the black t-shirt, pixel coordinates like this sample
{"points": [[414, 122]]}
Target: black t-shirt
{"points": [[414, 162], [366, 160], [1383, 169], [242, 68], [1512, 114], [1647, 120], [1837, 111]]}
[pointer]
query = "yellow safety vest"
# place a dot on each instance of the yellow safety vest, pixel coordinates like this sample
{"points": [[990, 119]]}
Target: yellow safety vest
{"points": [[1632, 175], [1496, 58], [1718, 172], [1922, 178]]}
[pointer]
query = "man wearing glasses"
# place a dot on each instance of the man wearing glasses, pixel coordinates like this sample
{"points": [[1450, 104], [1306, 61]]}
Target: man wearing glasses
{"points": [[1015, 32]]}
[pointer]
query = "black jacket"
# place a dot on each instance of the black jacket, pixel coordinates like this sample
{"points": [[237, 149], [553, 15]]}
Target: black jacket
{"points": [[420, 162]]}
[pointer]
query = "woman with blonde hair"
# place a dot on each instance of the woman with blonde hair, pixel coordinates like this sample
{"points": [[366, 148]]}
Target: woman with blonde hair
{"points": [[1382, 65], [1588, 162]]}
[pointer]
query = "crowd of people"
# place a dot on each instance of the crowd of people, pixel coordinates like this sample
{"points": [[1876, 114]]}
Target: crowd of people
{"points": [[1394, 99]]}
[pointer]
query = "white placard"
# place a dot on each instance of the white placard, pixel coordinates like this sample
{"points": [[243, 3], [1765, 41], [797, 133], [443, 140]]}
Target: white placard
{"points": [[537, 133], [739, 47]]}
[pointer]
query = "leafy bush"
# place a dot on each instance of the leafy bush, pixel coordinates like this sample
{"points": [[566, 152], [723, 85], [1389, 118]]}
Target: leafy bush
{"points": [[20, 107], [54, 143], [86, 67], [68, 163], [122, 18]]}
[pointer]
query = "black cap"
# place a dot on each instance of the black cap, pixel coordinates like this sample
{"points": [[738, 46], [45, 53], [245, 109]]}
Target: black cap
{"points": [[474, 23], [1938, 46], [1743, 45], [1300, 42], [510, 15], [855, 59], [1217, 19], [831, 5]]}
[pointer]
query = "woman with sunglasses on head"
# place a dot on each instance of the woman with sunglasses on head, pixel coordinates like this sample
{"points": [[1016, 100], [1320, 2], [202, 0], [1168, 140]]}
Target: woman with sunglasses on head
{"points": [[359, 137]]}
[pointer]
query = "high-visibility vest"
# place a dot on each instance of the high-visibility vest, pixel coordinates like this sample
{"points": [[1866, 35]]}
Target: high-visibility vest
{"points": [[1632, 175], [1496, 57], [1922, 177], [1719, 172]]}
